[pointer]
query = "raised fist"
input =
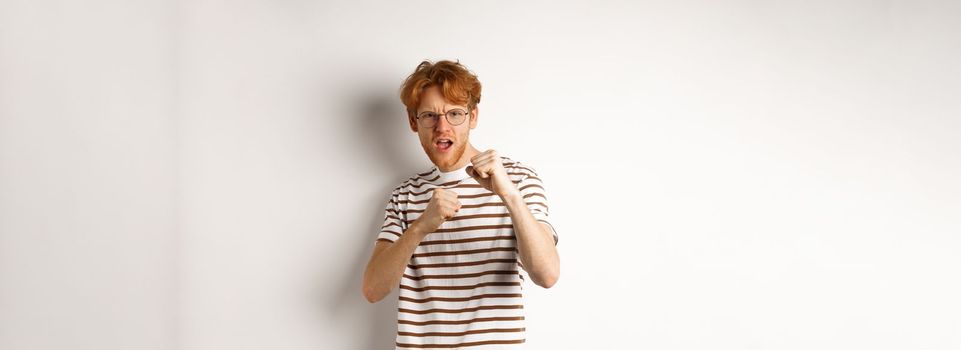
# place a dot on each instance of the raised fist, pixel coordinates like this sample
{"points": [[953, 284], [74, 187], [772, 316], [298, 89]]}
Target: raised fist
{"points": [[487, 169], [443, 205]]}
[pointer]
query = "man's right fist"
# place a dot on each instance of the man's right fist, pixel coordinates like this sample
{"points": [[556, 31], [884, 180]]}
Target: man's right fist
{"points": [[443, 205]]}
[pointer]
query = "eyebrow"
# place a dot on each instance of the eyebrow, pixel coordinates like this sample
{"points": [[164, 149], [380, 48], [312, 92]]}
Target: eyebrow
{"points": [[419, 111]]}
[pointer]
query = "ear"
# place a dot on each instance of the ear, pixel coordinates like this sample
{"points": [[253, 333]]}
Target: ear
{"points": [[473, 117], [413, 122]]}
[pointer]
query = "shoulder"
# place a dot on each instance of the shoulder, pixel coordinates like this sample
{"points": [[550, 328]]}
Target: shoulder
{"points": [[416, 180], [515, 167]]}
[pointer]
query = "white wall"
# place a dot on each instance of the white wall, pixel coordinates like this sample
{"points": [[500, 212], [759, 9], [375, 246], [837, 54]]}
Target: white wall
{"points": [[88, 194], [209, 175]]}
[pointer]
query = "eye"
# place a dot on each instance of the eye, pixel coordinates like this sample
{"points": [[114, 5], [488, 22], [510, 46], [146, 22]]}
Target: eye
{"points": [[458, 113]]}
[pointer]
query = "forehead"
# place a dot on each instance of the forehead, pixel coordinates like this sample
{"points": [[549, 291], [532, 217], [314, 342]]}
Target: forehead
{"points": [[432, 99]]}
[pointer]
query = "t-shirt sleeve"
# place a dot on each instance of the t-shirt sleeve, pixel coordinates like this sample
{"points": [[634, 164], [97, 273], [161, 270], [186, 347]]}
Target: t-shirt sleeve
{"points": [[532, 189], [393, 226]]}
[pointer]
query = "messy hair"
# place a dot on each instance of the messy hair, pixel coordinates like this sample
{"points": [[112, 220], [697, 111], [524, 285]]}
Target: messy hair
{"points": [[457, 84]]}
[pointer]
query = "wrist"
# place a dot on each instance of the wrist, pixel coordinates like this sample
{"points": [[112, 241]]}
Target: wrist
{"points": [[420, 228], [513, 200], [511, 196]]}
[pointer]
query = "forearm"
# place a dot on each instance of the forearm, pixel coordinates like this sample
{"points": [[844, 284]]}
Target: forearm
{"points": [[387, 268], [535, 243]]}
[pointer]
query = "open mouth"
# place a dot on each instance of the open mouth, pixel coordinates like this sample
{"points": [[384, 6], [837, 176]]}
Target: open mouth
{"points": [[444, 145]]}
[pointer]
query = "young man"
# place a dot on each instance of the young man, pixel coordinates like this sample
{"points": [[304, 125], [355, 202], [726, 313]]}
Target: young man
{"points": [[456, 237]]}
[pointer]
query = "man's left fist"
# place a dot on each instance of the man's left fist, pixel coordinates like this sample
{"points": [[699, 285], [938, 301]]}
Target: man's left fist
{"points": [[488, 169]]}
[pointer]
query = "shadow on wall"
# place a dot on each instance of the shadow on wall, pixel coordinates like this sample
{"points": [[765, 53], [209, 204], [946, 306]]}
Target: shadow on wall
{"points": [[381, 139]]}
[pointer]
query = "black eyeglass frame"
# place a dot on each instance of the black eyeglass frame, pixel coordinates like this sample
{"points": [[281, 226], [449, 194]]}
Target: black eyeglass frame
{"points": [[435, 118]]}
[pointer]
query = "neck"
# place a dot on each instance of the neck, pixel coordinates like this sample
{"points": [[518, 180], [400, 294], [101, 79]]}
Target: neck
{"points": [[469, 153]]}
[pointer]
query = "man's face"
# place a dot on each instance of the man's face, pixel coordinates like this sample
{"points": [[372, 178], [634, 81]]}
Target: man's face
{"points": [[444, 158]]}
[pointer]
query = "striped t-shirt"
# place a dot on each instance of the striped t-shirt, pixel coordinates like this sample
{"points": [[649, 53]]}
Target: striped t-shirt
{"points": [[462, 286]]}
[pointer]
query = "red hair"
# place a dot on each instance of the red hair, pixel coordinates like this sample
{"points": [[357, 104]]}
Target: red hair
{"points": [[457, 84]]}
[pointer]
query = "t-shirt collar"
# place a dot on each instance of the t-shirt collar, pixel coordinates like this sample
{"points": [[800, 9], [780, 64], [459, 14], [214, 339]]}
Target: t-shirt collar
{"points": [[453, 175]]}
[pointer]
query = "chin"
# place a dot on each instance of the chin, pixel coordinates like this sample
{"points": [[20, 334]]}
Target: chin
{"points": [[442, 160]]}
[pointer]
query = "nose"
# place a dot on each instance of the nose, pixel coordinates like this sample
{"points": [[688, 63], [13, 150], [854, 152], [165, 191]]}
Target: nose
{"points": [[442, 123]]}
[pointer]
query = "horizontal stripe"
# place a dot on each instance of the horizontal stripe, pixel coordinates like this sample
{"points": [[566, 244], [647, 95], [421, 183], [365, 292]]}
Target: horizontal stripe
{"points": [[465, 252], [532, 177], [465, 206], [420, 179], [431, 183], [515, 165], [459, 345], [459, 196], [465, 275], [419, 176], [467, 240], [460, 334], [392, 232], [473, 228], [515, 174], [479, 285], [468, 217], [475, 297], [468, 263], [462, 185], [473, 320], [451, 185], [522, 188], [538, 203], [457, 311], [534, 194], [469, 206], [423, 180]]}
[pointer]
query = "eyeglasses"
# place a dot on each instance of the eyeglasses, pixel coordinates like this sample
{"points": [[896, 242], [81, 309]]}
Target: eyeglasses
{"points": [[455, 116]]}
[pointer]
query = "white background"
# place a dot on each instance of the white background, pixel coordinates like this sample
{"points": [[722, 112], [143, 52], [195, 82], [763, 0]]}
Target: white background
{"points": [[724, 175]]}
